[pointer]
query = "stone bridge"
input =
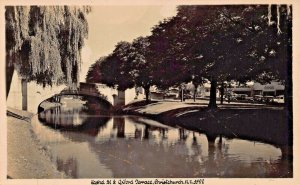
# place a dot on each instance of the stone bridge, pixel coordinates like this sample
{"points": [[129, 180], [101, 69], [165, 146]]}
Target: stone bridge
{"points": [[28, 96], [113, 96]]}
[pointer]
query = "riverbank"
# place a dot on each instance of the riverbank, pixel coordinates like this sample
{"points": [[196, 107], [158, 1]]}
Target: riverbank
{"points": [[26, 157], [255, 122], [45, 105]]}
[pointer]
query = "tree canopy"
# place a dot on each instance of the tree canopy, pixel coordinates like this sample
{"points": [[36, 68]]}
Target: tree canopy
{"points": [[218, 43], [129, 65], [222, 43], [44, 43]]}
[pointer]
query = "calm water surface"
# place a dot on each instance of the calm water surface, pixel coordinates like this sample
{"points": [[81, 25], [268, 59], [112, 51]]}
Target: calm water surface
{"points": [[84, 144]]}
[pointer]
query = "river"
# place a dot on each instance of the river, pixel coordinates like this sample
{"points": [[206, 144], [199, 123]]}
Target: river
{"points": [[85, 142]]}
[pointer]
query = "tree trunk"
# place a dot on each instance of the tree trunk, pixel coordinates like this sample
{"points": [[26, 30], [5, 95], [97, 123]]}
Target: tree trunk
{"points": [[222, 93], [194, 96], [147, 93], [24, 94], [9, 75], [146, 132], [195, 91], [288, 98], [213, 94], [182, 95]]}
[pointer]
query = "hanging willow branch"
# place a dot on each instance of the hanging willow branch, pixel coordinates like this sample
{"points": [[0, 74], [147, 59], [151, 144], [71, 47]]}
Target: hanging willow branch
{"points": [[44, 42], [278, 20], [269, 14], [278, 14]]}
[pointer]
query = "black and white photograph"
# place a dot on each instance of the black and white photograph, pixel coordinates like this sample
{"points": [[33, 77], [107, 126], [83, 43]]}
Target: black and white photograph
{"points": [[149, 93]]}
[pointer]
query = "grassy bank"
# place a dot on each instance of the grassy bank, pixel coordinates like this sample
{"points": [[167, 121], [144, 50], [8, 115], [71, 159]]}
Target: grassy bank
{"points": [[245, 121]]}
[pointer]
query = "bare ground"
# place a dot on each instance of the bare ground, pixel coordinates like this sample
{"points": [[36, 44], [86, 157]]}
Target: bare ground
{"points": [[26, 157]]}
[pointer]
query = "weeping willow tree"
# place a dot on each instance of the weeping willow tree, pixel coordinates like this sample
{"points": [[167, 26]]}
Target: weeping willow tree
{"points": [[43, 43]]}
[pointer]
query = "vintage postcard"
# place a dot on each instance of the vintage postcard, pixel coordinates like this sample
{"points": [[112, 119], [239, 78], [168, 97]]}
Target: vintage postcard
{"points": [[148, 92]]}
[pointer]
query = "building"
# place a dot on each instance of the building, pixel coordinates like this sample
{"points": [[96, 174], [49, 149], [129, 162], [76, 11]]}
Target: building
{"points": [[270, 89]]}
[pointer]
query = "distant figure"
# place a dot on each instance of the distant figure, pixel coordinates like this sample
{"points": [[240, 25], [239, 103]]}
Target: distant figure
{"points": [[228, 99]]}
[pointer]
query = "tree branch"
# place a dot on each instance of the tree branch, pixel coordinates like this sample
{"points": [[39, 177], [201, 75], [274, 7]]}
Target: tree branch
{"points": [[236, 22]]}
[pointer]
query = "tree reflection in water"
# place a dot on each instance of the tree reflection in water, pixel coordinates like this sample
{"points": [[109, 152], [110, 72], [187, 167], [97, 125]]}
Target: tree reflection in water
{"points": [[119, 124], [129, 146]]}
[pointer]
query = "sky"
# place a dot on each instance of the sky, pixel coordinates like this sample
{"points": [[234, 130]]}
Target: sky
{"points": [[110, 24]]}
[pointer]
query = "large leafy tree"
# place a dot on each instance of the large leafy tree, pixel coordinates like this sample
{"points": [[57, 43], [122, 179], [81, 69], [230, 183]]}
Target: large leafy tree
{"points": [[166, 50], [223, 43], [142, 65], [129, 65], [190, 42], [43, 43], [114, 70], [265, 44], [211, 44]]}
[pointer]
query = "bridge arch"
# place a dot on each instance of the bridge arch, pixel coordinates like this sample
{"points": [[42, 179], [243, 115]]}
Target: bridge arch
{"points": [[55, 101], [29, 95]]}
